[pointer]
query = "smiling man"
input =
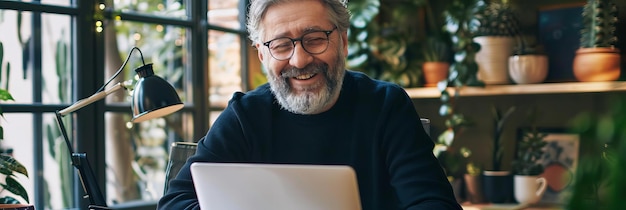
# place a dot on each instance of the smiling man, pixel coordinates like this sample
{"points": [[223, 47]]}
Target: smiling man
{"points": [[314, 111]]}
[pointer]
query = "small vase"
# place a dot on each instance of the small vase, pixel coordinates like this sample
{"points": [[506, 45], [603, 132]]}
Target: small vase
{"points": [[528, 69], [498, 186], [473, 189]]}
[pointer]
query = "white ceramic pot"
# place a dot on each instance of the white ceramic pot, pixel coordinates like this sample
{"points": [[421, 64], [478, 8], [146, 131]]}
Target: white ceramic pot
{"points": [[528, 69], [529, 189], [493, 58]]}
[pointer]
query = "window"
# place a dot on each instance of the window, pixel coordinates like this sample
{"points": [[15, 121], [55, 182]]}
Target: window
{"points": [[64, 51]]}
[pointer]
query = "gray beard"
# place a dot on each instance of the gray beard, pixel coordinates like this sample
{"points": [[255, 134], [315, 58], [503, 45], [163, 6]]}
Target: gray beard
{"points": [[308, 102]]}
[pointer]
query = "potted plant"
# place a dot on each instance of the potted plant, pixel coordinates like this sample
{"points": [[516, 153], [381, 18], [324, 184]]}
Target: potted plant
{"points": [[496, 34], [9, 166], [498, 183], [598, 59], [436, 53], [528, 185], [528, 64]]}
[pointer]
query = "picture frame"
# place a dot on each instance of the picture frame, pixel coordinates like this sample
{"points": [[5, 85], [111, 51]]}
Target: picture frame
{"points": [[559, 32], [559, 160]]}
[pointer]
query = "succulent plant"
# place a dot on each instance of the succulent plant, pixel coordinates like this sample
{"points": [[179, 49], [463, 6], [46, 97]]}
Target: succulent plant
{"points": [[599, 24], [530, 149], [497, 19]]}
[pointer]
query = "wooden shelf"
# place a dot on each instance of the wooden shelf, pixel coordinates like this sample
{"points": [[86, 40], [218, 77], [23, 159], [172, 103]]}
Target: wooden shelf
{"points": [[543, 88]]}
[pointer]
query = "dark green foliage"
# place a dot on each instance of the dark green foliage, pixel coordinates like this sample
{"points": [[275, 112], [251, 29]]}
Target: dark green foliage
{"points": [[497, 19], [530, 148], [529, 152], [599, 179], [500, 118], [599, 24]]}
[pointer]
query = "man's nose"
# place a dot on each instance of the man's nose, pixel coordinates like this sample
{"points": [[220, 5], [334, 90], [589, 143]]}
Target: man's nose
{"points": [[300, 57]]}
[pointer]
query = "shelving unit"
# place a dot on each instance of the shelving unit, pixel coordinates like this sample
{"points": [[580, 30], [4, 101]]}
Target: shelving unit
{"points": [[519, 89]]}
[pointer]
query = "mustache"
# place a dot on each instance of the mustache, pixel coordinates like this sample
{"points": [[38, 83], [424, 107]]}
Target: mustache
{"points": [[313, 68]]}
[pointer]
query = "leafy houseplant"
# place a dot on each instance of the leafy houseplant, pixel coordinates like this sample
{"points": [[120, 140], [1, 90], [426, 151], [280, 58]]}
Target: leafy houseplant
{"points": [[597, 59], [9, 166]]}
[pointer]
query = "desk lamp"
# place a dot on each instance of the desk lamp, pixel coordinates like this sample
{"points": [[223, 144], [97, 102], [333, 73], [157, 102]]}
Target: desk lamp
{"points": [[152, 97]]}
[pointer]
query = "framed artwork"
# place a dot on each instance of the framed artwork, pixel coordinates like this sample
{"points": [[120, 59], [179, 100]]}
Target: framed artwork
{"points": [[559, 160], [559, 33]]}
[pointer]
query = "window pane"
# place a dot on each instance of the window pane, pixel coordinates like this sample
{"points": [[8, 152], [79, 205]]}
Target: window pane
{"points": [[53, 2], [14, 40], [56, 59], [21, 145], [224, 66], [224, 13], [169, 8], [162, 45], [137, 154], [58, 169]]}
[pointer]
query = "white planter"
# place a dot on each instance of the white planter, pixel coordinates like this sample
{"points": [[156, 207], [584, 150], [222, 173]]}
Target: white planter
{"points": [[493, 58], [529, 189], [528, 69]]}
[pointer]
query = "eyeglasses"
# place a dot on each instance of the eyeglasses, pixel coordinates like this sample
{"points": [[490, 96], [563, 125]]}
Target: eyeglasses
{"points": [[315, 42]]}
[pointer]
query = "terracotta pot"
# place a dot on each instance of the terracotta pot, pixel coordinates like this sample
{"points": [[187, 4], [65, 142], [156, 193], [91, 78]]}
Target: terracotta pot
{"points": [[17, 207], [596, 64], [435, 72], [528, 69], [473, 188]]}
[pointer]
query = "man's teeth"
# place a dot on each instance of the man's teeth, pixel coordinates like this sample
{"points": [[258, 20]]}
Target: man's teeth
{"points": [[305, 76]]}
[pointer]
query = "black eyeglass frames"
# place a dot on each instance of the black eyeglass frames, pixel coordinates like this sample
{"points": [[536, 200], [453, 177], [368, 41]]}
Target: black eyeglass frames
{"points": [[314, 42]]}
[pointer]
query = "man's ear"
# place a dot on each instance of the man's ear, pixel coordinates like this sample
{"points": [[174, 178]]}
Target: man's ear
{"points": [[258, 51]]}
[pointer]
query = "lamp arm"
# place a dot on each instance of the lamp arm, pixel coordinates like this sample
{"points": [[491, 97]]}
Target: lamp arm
{"points": [[91, 99]]}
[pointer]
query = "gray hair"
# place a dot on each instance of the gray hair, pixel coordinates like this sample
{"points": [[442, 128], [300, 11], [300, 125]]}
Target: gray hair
{"points": [[337, 10]]}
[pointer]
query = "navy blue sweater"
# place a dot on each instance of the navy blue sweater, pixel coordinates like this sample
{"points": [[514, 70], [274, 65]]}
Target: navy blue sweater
{"points": [[373, 127]]}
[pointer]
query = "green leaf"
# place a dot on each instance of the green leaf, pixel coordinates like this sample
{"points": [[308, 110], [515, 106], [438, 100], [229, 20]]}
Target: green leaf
{"points": [[5, 95], [15, 187], [9, 163], [8, 200]]}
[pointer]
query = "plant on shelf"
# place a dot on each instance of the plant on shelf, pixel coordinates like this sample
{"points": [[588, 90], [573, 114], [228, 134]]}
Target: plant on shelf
{"points": [[599, 24], [598, 59], [437, 53], [9, 166], [497, 30], [530, 149], [499, 122]]}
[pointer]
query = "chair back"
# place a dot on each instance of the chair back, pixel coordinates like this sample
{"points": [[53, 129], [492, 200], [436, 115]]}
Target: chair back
{"points": [[179, 152]]}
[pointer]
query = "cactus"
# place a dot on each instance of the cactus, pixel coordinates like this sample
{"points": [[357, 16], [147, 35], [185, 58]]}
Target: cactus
{"points": [[599, 24], [497, 19]]}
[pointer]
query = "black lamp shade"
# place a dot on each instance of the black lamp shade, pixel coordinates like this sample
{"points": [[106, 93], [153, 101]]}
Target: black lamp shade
{"points": [[153, 97]]}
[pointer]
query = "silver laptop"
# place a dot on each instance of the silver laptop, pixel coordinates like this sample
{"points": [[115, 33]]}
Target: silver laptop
{"points": [[240, 186]]}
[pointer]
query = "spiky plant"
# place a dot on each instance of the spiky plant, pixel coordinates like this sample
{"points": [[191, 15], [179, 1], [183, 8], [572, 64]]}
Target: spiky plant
{"points": [[500, 118], [599, 24], [497, 19]]}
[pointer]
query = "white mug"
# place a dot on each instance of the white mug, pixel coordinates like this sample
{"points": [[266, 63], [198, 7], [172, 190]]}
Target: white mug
{"points": [[529, 189]]}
